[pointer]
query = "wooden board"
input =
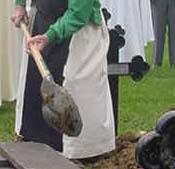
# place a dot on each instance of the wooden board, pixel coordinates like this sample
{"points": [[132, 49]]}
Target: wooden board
{"points": [[29, 155]]}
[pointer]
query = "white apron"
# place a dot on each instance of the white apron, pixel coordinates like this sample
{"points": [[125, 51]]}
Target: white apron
{"points": [[86, 79], [135, 17]]}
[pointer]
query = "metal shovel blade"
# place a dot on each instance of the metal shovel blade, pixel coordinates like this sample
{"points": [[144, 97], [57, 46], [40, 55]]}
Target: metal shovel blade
{"points": [[59, 109]]}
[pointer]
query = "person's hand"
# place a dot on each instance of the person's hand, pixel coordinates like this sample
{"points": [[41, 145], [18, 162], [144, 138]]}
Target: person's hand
{"points": [[19, 14], [40, 41]]}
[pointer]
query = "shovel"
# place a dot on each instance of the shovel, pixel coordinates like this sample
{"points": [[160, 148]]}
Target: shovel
{"points": [[59, 109]]}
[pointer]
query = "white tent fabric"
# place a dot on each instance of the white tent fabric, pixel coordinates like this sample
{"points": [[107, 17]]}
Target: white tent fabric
{"points": [[9, 53], [135, 17]]}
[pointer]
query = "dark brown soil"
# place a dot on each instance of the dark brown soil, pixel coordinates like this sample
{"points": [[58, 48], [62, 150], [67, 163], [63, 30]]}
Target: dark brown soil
{"points": [[124, 155]]}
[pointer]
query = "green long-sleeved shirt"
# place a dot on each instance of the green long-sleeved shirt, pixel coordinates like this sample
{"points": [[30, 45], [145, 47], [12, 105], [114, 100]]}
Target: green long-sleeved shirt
{"points": [[78, 14]]}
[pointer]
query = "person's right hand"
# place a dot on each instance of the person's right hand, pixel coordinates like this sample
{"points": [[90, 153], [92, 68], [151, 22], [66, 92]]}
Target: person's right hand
{"points": [[19, 14]]}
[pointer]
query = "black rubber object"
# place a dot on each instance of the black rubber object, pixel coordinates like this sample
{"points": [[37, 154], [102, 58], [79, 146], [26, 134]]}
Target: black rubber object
{"points": [[166, 124], [148, 151]]}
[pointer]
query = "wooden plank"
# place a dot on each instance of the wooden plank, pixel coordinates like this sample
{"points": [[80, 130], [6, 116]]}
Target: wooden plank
{"points": [[29, 155]]}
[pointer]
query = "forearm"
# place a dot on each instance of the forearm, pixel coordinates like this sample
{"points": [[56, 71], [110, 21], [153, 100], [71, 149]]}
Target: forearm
{"points": [[20, 2], [77, 15]]}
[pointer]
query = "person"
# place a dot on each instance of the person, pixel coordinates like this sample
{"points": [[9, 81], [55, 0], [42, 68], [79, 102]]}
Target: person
{"points": [[136, 19], [74, 41], [9, 50], [163, 16]]}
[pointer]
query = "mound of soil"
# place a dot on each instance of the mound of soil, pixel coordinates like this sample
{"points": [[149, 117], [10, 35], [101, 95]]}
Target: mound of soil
{"points": [[124, 155]]}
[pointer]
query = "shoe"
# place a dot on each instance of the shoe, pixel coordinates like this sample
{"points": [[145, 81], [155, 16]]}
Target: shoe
{"points": [[93, 160], [78, 163], [18, 138]]}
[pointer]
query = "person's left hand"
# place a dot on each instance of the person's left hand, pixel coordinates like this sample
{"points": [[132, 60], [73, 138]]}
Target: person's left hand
{"points": [[40, 41]]}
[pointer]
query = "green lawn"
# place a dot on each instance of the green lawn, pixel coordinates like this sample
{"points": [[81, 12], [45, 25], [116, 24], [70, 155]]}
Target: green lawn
{"points": [[141, 103], [7, 116]]}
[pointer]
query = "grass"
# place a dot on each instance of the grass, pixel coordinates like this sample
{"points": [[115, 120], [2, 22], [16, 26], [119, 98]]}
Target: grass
{"points": [[7, 116], [141, 103]]}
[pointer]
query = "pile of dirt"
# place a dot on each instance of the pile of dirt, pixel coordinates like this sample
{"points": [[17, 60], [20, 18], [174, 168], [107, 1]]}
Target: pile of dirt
{"points": [[124, 155]]}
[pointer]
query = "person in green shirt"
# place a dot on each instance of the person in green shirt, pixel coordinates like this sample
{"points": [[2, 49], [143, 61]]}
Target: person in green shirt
{"points": [[74, 41], [65, 26]]}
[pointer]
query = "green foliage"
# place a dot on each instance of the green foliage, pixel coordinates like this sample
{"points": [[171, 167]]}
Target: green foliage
{"points": [[142, 103], [7, 116]]}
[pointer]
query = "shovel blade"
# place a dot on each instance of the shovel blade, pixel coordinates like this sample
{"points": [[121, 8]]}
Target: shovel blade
{"points": [[59, 109]]}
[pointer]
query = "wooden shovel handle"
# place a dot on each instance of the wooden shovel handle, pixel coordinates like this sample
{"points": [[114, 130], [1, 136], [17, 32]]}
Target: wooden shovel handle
{"points": [[44, 71]]}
